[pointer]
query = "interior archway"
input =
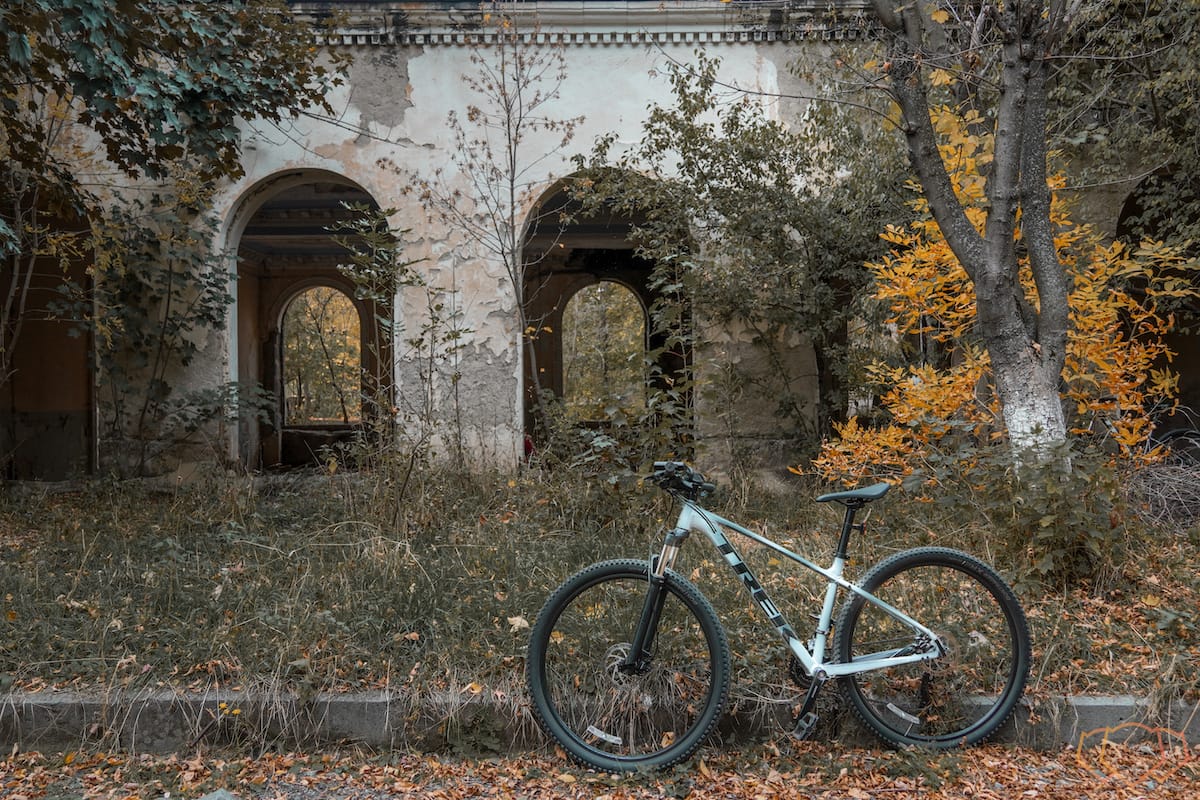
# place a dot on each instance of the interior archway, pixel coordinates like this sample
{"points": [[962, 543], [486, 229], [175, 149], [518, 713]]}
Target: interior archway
{"points": [[322, 359], [565, 251], [604, 351], [290, 246]]}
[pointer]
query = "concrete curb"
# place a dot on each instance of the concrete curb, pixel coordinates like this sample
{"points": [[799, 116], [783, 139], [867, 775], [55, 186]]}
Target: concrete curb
{"points": [[164, 721]]}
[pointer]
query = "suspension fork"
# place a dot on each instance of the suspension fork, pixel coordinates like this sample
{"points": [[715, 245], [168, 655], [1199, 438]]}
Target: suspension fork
{"points": [[637, 661]]}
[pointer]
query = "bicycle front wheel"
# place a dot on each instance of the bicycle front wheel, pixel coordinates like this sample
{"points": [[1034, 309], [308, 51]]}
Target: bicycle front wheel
{"points": [[964, 695], [604, 714]]}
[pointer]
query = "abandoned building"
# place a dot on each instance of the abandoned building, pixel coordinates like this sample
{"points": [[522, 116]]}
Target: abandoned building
{"points": [[275, 229]]}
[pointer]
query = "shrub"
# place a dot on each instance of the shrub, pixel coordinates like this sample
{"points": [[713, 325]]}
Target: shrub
{"points": [[1054, 525]]}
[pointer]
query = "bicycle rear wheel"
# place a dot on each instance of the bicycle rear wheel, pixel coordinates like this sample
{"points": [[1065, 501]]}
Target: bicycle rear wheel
{"points": [[604, 716], [961, 697]]}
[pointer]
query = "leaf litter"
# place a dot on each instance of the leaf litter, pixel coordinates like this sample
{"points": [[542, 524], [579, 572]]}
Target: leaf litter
{"points": [[771, 770]]}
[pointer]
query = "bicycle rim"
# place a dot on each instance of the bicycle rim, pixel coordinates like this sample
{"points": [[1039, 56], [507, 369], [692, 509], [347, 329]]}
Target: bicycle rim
{"points": [[607, 717], [961, 697]]}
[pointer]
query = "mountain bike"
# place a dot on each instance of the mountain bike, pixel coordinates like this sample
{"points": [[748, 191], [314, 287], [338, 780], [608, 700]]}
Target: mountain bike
{"points": [[628, 665]]}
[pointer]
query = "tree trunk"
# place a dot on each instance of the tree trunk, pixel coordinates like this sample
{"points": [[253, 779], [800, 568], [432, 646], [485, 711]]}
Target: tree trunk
{"points": [[1027, 386], [1025, 340]]}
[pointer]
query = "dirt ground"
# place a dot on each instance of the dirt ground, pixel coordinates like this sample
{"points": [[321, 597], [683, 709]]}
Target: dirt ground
{"points": [[771, 770]]}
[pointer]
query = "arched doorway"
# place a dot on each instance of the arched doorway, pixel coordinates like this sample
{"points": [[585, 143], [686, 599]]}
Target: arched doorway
{"points": [[562, 260], [603, 352], [296, 304], [48, 400], [1151, 211]]}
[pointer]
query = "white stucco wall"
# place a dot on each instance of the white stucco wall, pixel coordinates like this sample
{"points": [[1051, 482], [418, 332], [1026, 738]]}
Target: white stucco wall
{"points": [[395, 108]]}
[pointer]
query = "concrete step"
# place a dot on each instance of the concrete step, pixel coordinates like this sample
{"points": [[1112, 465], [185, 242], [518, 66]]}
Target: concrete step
{"points": [[165, 721]]}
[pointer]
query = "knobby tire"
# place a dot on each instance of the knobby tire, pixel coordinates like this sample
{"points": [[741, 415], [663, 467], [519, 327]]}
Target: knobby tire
{"points": [[606, 718], [960, 698]]}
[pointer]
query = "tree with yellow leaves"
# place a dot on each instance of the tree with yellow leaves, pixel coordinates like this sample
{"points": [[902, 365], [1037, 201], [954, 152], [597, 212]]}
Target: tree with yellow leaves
{"points": [[1119, 303], [995, 60]]}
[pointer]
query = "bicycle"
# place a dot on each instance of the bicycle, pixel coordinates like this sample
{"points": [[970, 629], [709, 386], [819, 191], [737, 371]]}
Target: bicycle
{"points": [[628, 665]]}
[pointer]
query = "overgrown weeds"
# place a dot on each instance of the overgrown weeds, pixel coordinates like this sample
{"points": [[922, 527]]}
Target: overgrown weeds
{"points": [[312, 582], [312, 578]]}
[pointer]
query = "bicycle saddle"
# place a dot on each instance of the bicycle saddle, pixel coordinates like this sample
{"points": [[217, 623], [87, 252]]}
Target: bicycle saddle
{"points": [[857, 497]]}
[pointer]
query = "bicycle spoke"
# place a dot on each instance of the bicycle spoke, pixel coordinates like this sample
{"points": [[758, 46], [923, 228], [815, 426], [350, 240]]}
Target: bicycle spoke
{"points": [[960, 696], [604, 712]]}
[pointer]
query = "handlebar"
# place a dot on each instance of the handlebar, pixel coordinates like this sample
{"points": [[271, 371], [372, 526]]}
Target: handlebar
{"points": [[677, 478]]}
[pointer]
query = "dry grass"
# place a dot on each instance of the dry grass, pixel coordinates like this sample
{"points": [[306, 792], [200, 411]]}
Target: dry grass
{"points": [[316, 583]]}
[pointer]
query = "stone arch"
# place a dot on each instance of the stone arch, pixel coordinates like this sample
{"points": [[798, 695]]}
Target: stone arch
{"points": [[560, 259], [280, 233]]}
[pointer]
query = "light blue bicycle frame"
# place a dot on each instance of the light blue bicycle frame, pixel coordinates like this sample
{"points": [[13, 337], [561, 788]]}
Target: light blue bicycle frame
{"points": [[694, 518]]}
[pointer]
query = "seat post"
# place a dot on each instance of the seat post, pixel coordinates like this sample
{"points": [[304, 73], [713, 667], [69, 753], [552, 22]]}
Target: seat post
{"points": [[848, 526]]}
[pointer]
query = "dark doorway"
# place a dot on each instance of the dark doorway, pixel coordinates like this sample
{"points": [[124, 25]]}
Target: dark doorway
{"points": [[288, 264], [589, 255]]}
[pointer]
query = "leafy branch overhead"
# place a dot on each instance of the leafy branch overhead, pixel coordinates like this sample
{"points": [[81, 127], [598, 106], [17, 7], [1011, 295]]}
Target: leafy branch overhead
{"points": [[96, 96], [154, 82]]}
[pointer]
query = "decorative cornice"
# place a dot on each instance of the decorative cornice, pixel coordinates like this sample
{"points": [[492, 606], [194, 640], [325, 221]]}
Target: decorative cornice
{"points": [[594, 23]]}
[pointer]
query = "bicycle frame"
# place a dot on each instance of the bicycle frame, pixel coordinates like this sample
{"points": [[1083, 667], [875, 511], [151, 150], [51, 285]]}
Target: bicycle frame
{"points": [[694, 518], [931, 646]]}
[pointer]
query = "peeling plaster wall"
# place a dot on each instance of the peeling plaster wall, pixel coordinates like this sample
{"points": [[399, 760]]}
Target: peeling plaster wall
{"points": [[393, 111], [381, 86], [390, 124]]}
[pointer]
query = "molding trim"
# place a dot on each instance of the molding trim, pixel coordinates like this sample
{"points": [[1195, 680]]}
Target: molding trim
{"points": [[593, 23]]}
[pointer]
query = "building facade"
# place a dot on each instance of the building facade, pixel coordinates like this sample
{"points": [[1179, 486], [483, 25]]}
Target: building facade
{"points": [[403, 125]]}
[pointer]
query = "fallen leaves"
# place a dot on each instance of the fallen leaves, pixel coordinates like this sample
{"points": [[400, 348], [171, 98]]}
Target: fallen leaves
{"points": [[1107, 644], [772, 770]]}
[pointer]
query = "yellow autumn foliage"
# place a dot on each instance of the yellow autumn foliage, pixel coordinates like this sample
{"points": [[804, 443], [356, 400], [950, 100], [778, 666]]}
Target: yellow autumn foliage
{"points": [[1117, 355]]}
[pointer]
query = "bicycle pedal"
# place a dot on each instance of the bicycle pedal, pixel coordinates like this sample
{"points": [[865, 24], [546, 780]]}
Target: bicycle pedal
{"points": [[805, 725]]}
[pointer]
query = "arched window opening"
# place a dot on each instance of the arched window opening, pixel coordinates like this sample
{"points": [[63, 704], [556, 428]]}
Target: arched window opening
{"points": [[604, 351], [576, 260], [1155, 210], [322, 359]]}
